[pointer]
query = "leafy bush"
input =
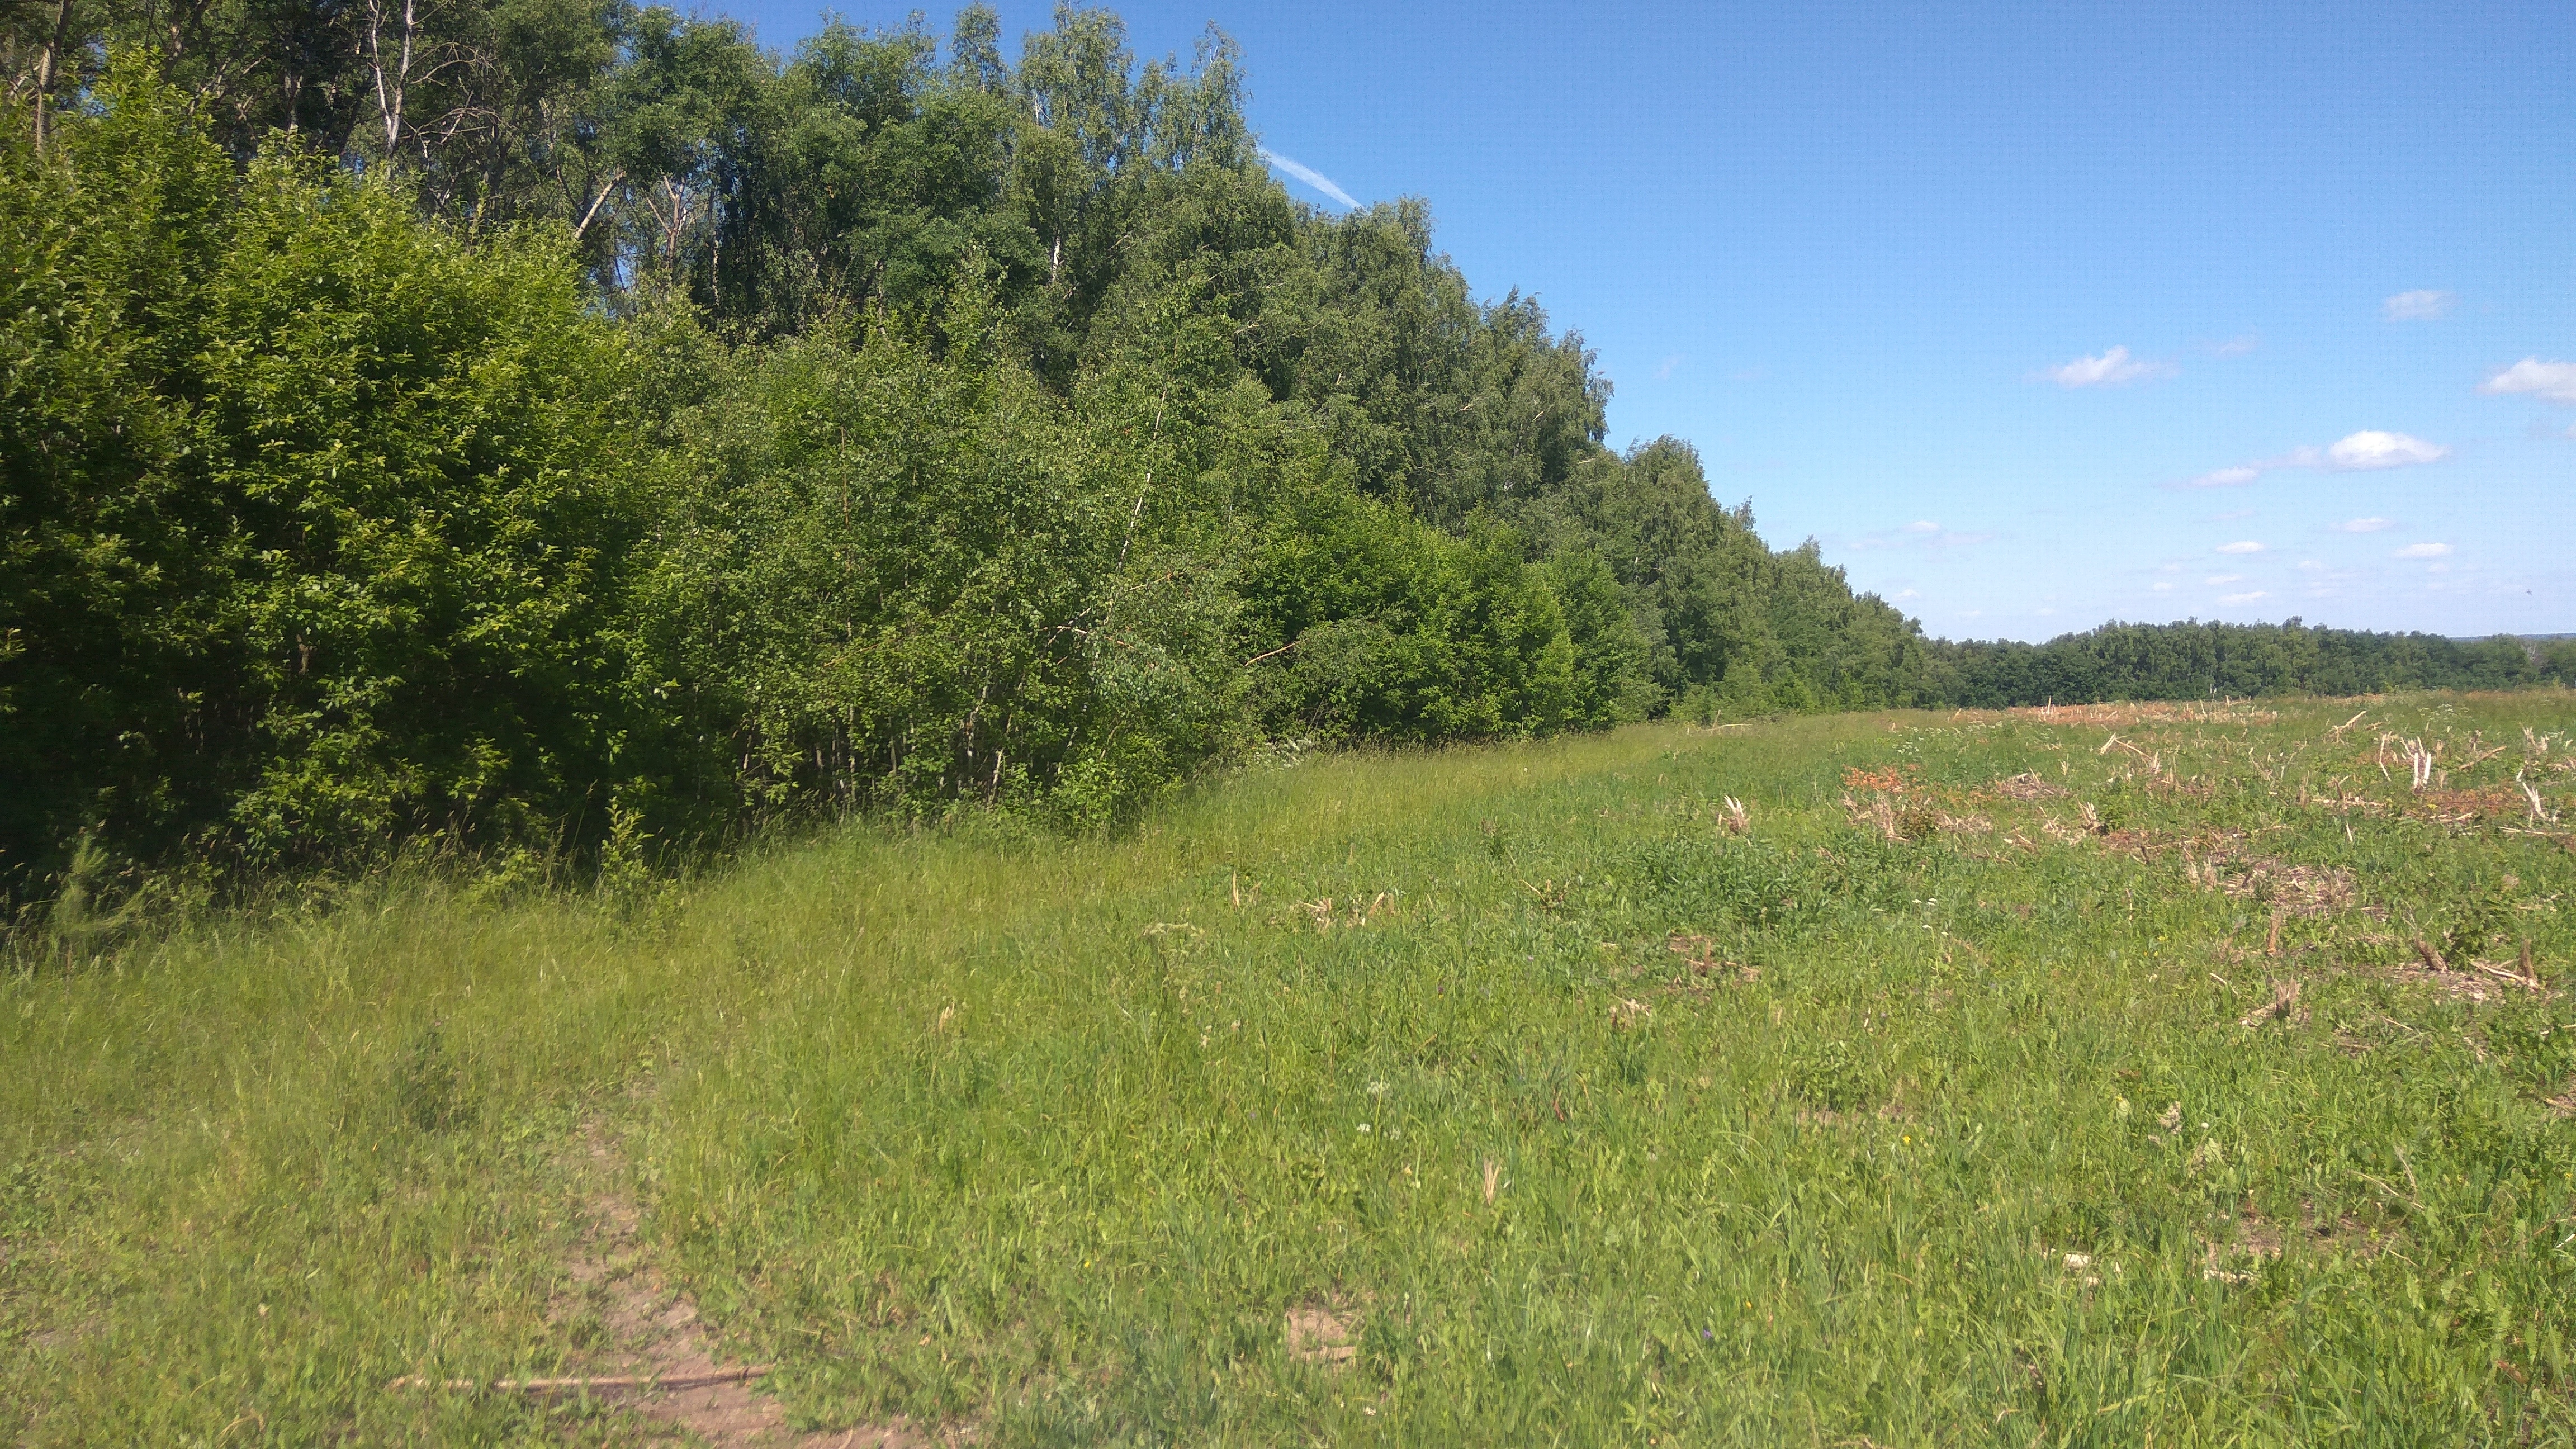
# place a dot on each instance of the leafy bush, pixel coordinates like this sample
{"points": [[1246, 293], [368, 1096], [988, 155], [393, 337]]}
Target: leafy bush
{"points": [[316, 513]]}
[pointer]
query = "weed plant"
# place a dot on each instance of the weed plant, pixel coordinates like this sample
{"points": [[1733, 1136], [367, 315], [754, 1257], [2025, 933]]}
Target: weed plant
{"points": [[2173, 1074]]}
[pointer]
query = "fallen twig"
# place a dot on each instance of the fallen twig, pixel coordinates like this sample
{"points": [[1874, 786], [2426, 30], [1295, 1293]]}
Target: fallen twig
{"points": [[2502, 974]]}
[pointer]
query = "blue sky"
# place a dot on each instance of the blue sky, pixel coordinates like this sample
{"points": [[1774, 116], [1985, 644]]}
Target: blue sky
{"points": [[2034, 316]]}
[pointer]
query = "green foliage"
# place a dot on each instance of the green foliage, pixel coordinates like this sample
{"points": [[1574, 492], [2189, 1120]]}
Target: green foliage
{"points": [[2213, 660], [314, 512], [883, 576], [2558, 661], [1377, 628], [603, 435], [949, 432], [420, 446], [114, 570]]}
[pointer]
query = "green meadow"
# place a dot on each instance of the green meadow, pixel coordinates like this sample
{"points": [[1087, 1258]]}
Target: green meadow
{"points": [[2116, 1075]]}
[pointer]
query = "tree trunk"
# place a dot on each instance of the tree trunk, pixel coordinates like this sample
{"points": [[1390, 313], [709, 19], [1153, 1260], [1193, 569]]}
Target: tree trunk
{"points": [[46, 66], [390, 85]]}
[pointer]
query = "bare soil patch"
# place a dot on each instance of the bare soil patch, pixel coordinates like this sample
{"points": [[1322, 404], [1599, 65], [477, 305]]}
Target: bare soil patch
{"points": [[2227, 862], [649, 1332], [1323, 1334], [655, 1357], [2027, 786]]}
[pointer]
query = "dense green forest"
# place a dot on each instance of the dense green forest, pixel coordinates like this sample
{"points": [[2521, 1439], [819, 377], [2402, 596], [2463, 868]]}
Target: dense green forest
{"points": [[2218, 661], [542, 426]]}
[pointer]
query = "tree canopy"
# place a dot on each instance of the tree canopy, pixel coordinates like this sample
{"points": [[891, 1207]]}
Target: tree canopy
{"points": [[528, 424]]}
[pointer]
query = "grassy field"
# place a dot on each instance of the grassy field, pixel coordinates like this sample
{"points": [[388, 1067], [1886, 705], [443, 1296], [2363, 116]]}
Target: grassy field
{"points": [[2106, 1076]]}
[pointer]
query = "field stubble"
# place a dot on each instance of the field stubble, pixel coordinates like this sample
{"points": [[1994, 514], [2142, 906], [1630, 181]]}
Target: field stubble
{"points": [[2076, 1076]]}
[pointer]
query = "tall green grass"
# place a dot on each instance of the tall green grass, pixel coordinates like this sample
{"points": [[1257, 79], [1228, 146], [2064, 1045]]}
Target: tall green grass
{"points": [[1048, 1138]]}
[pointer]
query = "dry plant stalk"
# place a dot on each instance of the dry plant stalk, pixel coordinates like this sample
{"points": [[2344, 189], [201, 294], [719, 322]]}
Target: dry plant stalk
{"points": [[1493, 1179], [2420, 760], [2539, 816], [2285, 997]]}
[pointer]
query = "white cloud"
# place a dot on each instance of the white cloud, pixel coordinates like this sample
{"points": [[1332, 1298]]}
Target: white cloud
{"points": [[2368, 450], [2108, 370], [2423, 550], [1922, 525], [2309, 566], [2357, 452], [2243, 598], [1909, 593], [2216, 579], [1310, 176], [2161, 585], [1665, 368], [2245, 545], [2236, 477], [2425, 306], [2555, 381], [2364, 525], [2238, 346]]}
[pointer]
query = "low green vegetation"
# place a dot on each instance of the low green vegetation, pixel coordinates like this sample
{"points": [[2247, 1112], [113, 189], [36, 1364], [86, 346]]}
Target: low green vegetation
{"points": [[2188, 1073]]}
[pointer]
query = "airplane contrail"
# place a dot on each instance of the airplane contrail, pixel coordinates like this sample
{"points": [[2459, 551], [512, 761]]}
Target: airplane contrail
{"points": [[1310, 176]]}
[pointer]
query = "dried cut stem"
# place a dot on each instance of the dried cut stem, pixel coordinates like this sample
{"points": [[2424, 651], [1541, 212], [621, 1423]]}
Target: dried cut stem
{"points": [[2502, 974], [2539, 816]]}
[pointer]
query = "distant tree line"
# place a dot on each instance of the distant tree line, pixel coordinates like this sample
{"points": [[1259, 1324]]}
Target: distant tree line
{"points": [[2213, 661], [540, 425]]}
